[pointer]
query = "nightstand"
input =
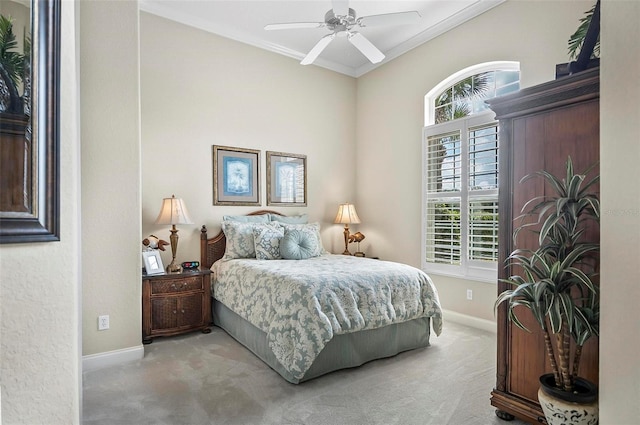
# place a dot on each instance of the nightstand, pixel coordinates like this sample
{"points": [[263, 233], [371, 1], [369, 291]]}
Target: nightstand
{"points": [[175, 303]]}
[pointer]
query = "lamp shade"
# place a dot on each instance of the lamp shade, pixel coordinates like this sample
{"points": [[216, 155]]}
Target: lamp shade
{"points": [[173, 211], [347, 214]]}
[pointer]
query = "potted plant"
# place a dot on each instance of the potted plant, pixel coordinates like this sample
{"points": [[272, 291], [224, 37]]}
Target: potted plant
{"points": [[12, 68], [557, 284]]}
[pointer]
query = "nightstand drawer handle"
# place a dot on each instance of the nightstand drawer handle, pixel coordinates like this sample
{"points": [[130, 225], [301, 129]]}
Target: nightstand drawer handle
{"points": [[183, 311], [173, 285], [184, 284], [174, 312]]}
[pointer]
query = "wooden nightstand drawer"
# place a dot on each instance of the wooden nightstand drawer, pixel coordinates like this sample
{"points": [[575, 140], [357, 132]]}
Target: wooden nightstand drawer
{"points": [[176, 285]]}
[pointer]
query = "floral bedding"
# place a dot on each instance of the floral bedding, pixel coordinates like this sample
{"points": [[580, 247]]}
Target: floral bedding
{"points": [[302, 304]]}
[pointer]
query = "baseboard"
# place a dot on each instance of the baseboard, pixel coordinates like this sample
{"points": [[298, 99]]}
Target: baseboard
{"points": [[474, 322], [112, 358]]}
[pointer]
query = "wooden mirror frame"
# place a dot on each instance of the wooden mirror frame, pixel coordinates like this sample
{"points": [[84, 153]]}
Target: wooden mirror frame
{"points": [[42, 224]]}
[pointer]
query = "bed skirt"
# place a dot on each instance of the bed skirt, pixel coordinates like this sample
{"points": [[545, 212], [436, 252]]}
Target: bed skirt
{"points": [[343, 351]]}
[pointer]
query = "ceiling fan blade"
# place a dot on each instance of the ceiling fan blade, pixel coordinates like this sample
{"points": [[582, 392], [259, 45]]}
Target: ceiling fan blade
{"points": [[369, 50], [398, 18], [294, 25], [340, 7], [317, 49]]}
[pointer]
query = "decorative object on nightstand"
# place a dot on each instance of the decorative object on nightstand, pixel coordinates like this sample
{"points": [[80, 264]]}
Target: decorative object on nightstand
{"points": [[357, 238], [173, 211], [175, 303], [152, 262], [152, 242], [347, 215]]}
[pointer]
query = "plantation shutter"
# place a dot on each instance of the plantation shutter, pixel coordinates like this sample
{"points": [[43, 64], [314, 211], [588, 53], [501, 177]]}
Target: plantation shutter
{"points": [[461, 193]]}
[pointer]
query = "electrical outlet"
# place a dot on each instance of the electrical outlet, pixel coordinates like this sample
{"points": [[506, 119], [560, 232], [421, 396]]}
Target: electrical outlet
{"points": [[469, 294], [103, 322]]}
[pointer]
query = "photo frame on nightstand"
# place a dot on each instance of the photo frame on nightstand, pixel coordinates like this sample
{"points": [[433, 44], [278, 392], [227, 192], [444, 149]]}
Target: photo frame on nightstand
{"points": [[152, 262]]}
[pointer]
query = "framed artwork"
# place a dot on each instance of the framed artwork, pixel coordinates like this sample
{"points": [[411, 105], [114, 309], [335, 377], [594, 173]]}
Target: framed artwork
{"points": [[236, 176], [153, 262], [30, 131], [286, 179]]}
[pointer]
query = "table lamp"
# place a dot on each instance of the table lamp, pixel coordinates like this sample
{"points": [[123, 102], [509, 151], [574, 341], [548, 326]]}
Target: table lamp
{"points": [[173, 211], [346, 215]]}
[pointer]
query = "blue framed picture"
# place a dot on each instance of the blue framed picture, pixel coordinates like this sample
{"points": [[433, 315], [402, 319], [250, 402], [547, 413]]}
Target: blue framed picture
{"points": [[236, 176], [286, 179]]}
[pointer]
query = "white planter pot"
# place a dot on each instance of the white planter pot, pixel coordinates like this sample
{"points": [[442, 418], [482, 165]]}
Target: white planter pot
{"points": [[560, 411]]}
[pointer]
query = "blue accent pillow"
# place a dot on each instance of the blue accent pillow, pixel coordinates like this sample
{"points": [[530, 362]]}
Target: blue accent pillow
{"points": [[294, 219], [298, 245], [311, 229], [264, 218]]}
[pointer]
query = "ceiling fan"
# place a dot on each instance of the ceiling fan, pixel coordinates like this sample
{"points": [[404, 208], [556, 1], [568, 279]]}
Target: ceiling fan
{"points": [[341, 19]]}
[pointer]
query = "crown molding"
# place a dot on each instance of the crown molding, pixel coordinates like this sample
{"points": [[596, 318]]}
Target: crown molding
{"points": [[470, 12]]}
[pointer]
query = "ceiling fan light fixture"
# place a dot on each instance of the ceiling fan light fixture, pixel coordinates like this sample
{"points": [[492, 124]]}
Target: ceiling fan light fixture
{"points": [[340, 19]]}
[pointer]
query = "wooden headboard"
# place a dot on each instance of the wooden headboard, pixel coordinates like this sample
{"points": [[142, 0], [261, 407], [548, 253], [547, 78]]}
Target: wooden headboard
{"points": [[211, 250]]}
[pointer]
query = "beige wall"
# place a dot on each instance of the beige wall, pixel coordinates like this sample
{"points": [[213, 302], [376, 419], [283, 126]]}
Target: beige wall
{"points": [[221, 92], [39, 287], [619, 158], [111, 260], [389, 184]]}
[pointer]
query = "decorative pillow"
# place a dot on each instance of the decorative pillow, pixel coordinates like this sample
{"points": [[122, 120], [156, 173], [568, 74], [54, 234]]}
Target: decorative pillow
{"points": [[267, 241], [240, 242], [264, 218], [298, 245], [294, 219], [313, 229]]}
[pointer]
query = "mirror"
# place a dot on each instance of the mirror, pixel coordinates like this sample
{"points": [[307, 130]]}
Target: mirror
{"points": [[29, 120]]}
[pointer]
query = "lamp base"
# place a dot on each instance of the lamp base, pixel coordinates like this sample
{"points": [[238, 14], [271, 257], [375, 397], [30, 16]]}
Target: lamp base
{"points": [[359, 254], [173, 267], [346, 240]]}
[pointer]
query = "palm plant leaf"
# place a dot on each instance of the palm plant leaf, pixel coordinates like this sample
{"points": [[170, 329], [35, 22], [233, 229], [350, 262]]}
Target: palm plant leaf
{"points": [[577, 38], [10, 60]]}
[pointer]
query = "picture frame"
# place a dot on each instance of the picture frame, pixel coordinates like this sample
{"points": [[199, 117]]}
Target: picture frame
{"points": [[236, 176], [30, 161], [286, 179], [152, 262]]}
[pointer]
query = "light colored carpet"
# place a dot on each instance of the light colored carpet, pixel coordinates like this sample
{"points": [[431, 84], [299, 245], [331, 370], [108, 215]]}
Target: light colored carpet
{"points": [[211, 379]]}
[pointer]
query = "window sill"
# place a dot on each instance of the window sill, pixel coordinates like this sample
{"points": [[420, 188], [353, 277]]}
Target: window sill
{"points": [[482, 278]]}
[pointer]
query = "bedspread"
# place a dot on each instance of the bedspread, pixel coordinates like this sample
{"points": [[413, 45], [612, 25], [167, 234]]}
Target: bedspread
{"points": [[302, 304]]}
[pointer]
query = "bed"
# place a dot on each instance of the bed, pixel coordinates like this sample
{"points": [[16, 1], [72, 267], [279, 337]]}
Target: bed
{"points": [[314, 312]]}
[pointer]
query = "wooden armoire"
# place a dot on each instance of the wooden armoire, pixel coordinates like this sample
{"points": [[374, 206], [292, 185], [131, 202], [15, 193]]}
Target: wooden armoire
{"points": [[539, 128]]}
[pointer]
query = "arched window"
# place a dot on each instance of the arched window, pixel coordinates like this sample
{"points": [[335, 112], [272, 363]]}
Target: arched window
{"points": [[460, 169], [463, 93]]}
